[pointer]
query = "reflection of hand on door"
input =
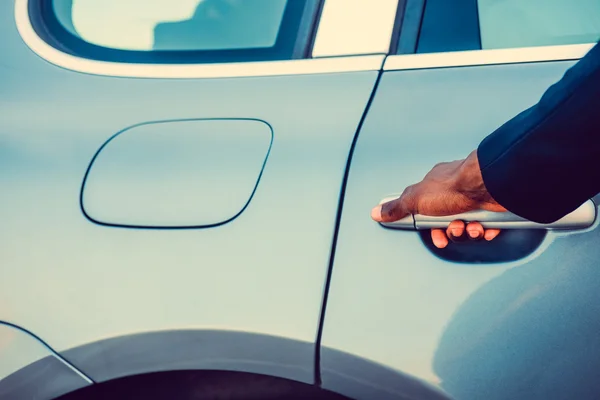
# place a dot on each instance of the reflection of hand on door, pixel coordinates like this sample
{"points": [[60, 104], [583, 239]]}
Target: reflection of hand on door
{"points": [[449, 188]]}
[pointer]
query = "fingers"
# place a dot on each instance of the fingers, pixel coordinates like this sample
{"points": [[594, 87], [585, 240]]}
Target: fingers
{"points": [[377, 214], [455, 230], [398, 208], [390, 211], [439, 238], [475, 230], [491, 234]]}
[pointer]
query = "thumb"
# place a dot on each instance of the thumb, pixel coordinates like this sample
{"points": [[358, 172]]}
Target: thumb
{"points": [[390, 211]]}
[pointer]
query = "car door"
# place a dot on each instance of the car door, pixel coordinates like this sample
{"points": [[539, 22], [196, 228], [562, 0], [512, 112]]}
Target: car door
{"points": [[516, 318], [169, 198]]}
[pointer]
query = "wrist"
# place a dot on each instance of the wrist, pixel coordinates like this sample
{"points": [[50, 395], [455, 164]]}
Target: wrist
{"points": [[469, 180]]}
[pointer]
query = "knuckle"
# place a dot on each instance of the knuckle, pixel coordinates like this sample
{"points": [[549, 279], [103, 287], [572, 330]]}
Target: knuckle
{"points": [[389, 210]]}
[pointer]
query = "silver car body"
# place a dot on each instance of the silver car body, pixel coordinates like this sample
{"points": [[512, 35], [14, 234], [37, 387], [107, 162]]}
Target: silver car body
{"points": [[280, 271]]}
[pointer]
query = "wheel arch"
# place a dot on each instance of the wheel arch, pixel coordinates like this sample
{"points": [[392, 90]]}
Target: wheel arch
{"points": [[172, 350]]}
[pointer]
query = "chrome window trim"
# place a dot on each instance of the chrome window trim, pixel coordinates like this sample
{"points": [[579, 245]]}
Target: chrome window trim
{"points": [[486, 57], [352, 27], [54, 56]]}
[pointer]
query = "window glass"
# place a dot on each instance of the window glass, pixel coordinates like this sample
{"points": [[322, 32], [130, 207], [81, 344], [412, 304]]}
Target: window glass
{"points": [[456, 25], [174, 24], [449, 25], [178, 30], [524, 23]]}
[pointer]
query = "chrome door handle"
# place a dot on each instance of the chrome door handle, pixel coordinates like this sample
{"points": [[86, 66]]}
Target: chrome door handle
{"points": [[581, 218]]}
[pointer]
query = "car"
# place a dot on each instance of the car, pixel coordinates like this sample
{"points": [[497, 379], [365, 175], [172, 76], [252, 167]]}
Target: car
{"points": [[186, 196]]}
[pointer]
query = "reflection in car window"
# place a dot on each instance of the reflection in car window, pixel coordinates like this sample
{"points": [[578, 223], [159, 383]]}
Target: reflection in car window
{"points": [[458, 25], [524, 23], [173, 24]]}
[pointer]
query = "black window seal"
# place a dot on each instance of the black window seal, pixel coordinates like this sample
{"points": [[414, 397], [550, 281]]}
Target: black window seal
{"points": [[299, 16], [408, 36], [308, 29], [398, 23], [479, 38]]}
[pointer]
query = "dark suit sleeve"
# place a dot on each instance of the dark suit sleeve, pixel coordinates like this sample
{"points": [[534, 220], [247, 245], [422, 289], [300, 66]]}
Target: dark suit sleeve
{"points": [[545, 162]]}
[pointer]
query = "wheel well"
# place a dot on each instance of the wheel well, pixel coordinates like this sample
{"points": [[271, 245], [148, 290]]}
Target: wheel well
{"points": [[201, 385]]}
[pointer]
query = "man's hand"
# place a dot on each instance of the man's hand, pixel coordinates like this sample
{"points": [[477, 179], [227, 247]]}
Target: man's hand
{"points": [[449, 188]]}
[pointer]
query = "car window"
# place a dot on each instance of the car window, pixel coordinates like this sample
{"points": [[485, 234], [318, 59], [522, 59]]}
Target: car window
{"points": [[524, 23], [176, 30], [455, 25]]}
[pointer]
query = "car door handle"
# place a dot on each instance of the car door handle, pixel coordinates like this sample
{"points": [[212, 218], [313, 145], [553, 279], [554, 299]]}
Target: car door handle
{"points": [[583, 217]]}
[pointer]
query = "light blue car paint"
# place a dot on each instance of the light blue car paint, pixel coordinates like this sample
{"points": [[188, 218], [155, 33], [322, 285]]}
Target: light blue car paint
{"points": [[521, 330], [177, 174], [400, 323], [73, 282], [30, 370]]}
